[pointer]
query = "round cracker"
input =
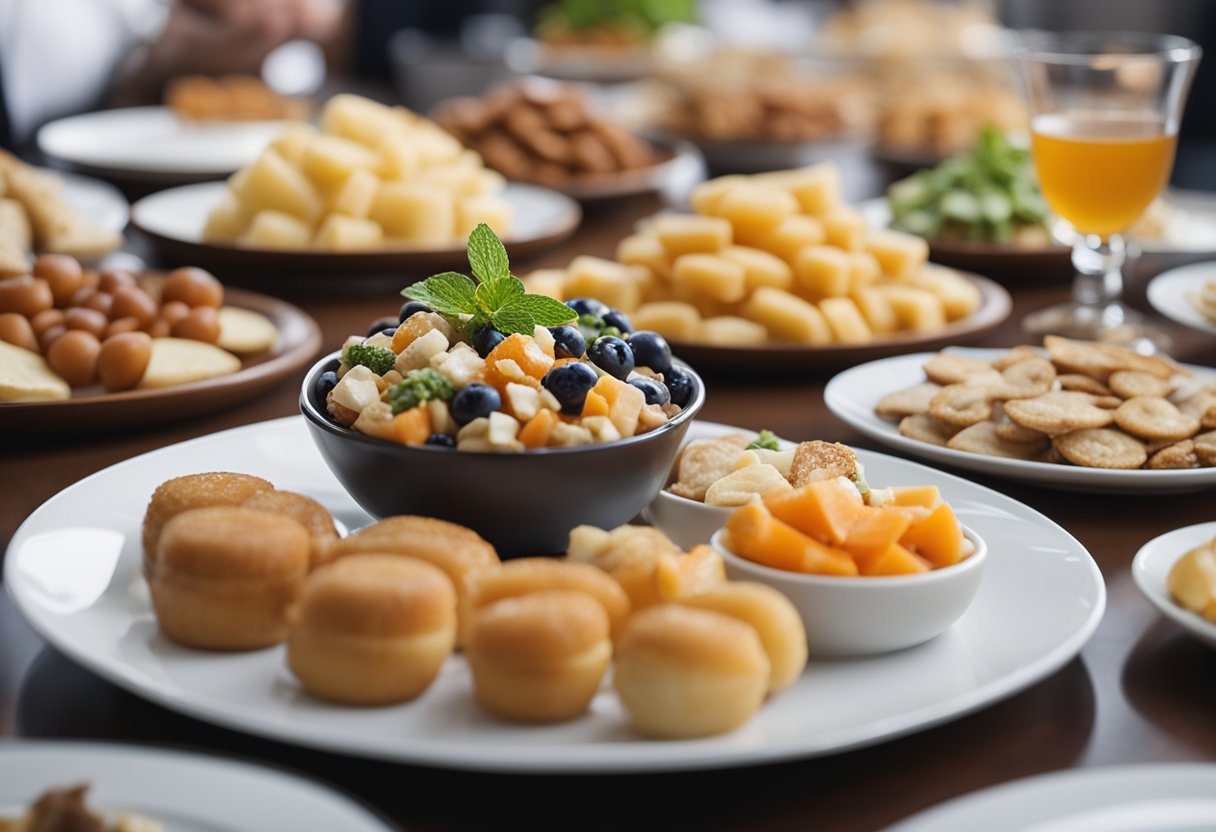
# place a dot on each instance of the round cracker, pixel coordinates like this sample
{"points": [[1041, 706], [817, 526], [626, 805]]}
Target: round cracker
{"points": [[1082, 384], [1059, 411], [1101, 448], [245, 332], [962, 404], [949, 368], [1013, 432], [1178, 455], [1026, 379], [925, 428], [1154, 418], [983, 439], [1205, 448], [1131, 384], [909, 401]]}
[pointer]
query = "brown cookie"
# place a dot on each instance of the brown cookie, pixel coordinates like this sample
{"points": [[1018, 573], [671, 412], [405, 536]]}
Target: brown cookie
{"points": [[1155, 418], [1101, 448], [1059, 411], [1013, 432], [982, 439], [949, 368], [1082, 384], [1177, 455], [1017, 354], [1026, 379], [1205, 448], [814, 461], [909, 401], [962, 404], [1131, 384], [924, 428]]}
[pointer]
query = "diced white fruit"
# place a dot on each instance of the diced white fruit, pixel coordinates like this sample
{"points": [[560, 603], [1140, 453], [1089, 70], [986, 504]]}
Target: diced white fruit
{"points": [[227, 220], [783, 461], [510, 369], [543, 338], [479, 428], [329, 161], [272, 184], [610, 282], [502, 430], [460, 366], [358, 118], [626, 409], [419, 354], [374, 418], [738, 487], [549, 401], [651, 417], [293, 141], [565, 435], [357, 388], [602, 429], [415, 211], [342, 233], [380, 340], [523, 400], [586, 543], [358, 192], [275, 229], [493, 210], [548, 282], [441, 417]]}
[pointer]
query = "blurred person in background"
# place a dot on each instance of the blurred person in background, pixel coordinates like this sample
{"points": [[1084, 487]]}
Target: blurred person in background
{"points": [[59, 57]]}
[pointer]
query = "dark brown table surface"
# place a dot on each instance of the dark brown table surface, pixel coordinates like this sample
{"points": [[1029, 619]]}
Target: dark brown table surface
{"points": [[1140, 692]]}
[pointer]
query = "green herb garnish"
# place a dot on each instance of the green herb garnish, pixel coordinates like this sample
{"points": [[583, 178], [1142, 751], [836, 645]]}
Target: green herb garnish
{"points": [[859, 480], [495, 298], [766, 441], [377, 359], [417, 387]]}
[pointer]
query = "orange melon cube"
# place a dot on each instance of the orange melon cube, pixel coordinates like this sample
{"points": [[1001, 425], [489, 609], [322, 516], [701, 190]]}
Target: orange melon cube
{"points": [[937, 537], [824, 510], [596, 405], [535, 434], [516, 351], [917, 495], [753, 533], [874, 532], [411, 427], [896, 561]]}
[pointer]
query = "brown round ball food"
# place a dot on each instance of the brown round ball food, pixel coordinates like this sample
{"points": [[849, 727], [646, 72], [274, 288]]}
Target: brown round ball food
{"points": [[373, 629], [16, 330], [133, 302], [120, 325], [101, 301], [73, 356], [202, 324], [158, 328], [62, 273], [123, 359], [81, 295], [111, 280], [89, 320], [49, 336], [304, 510], [227, 577], [46, 319], [193, 287], [26, 295], [173, 311], [172, 497]]}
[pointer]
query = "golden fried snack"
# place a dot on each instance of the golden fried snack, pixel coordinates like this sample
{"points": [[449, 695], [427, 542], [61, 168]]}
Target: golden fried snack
{"points": [[172, 497], [304, 510]]}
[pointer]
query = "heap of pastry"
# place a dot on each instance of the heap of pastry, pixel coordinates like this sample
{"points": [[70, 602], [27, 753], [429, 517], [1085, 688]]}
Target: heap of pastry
{"points": [[780, 109], [543, 132], [230, 98], [371, 618], [371, 177], [1080, 403], [65, 810], [65, 328], [34, 217], [773, 257]]}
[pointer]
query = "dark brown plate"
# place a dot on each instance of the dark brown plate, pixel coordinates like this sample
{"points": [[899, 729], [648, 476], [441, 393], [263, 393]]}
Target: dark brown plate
{"points": [[788, 359], [95, 411]]}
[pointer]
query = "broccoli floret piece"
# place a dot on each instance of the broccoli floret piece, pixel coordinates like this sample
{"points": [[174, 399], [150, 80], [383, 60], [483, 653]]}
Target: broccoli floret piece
{"points": [[767, 441], [377, 359], [417, 387]]}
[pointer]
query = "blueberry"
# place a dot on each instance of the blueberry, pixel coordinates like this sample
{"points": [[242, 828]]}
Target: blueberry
{"points": [[409, 308], [386, 325], [618, 319], [569, 384], [650, 349], [679, 384], [612, 355], [486, 339], [568, 342], [656, 392], [325, 382], [588, 306], [442, 440], [474, 401]]}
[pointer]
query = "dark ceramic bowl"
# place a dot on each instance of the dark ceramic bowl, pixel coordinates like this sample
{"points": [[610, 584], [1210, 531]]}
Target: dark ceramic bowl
{"points": [[523, 503]]}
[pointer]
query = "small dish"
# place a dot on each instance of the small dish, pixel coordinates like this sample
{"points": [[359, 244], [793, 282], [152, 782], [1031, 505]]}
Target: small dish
{"points": [[1169, 292], [1151, 570], [864, 616]]}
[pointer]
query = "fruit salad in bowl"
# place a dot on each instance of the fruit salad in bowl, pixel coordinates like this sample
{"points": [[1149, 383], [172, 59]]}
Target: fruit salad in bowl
{"points": [[516, 415]]}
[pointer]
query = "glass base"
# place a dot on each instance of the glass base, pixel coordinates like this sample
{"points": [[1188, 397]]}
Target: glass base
{"points": [[1112, 323]]}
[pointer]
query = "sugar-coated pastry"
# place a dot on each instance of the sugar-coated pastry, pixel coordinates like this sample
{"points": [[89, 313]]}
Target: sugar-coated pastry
{"points": [[538, 657], [172, 497], [227, 577], [372, 629], [683, 672], [774, 617], [456, 550], [524, 575], [304, 510]]}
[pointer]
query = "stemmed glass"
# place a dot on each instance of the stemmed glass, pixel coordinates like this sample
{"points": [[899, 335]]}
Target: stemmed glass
{"points": [[1104, 114]]}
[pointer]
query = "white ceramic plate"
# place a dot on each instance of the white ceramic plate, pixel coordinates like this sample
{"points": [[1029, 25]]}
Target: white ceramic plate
{"points": [[100, 201], [853, 394], [1167, 293], [1151, 569], [185, 792], [1149, 798], [73, 569], [153, 142]]}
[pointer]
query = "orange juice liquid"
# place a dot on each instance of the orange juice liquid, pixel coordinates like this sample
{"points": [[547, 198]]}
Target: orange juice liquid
{"points": [[1100, 171]]}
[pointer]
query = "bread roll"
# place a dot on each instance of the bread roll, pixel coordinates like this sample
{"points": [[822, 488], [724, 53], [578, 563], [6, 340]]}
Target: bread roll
{"points": [[373, 629], [304, 510], [538, 657], [774, 617], [217, 488], [226, 577], [684, 672]]}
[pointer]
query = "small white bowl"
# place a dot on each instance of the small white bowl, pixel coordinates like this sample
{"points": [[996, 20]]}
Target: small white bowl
{"points": [[861, 616], [687, 522]]}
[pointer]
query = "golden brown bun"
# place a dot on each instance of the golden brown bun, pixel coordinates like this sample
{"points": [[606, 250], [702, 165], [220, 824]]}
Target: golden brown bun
{"points": [[373, 629], [630, 554], [524, 575], [304, 510], [774, 617], [684, 672], [227, 577], [456, 550], [172, 497], [539, 657]]}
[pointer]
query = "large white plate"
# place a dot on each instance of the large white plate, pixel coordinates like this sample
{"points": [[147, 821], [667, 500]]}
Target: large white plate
{"points": [[153, 141], [73, 569], [1167, 293], [1150, 798], [1151, 569], [186, 792], [853, 394]]}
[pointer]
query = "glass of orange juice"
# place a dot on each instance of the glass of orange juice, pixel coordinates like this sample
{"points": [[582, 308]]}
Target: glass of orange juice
{"points": [[1104, 114]]}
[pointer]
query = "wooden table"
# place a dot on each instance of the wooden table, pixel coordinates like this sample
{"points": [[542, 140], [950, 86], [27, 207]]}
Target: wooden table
{"points": [[1140, 692]]}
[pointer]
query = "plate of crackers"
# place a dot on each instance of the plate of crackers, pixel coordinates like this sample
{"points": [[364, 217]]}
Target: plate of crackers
{"points": [[83, 350], [1075, 415]]}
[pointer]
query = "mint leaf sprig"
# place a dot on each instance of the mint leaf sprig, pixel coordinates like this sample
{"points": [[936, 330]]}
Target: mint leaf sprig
{"points": [[497, 298]]}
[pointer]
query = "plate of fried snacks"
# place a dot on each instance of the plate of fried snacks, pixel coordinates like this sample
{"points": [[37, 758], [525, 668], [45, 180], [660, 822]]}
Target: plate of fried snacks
{"points": [[107, 787], [1076, 415]]}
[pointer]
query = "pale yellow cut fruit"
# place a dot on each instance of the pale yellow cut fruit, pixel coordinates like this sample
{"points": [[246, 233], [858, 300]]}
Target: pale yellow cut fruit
{"points": [[244, 331], [731, 331], [293, 141], [959, 296], [548, 282], [26, 377], [227, 220], [822, 272], [877, 310], [179, 361], [899, 254], [755, 206], [704, 197], [760, 268], [844, 227], [671, 319], [328, 161], [342, 233], [493, 210], [864, 269], [788, 238], [357, 194], [645, 250], [613, 283], [711, 276], [846, 321], [358, 118], [275, 229], [787, 317], [915, 308], [272, 184], [690, 233], [416, 212]]}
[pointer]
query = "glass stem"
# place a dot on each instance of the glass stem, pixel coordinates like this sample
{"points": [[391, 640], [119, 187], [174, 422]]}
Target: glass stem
{"points": [[1099, 264]]}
